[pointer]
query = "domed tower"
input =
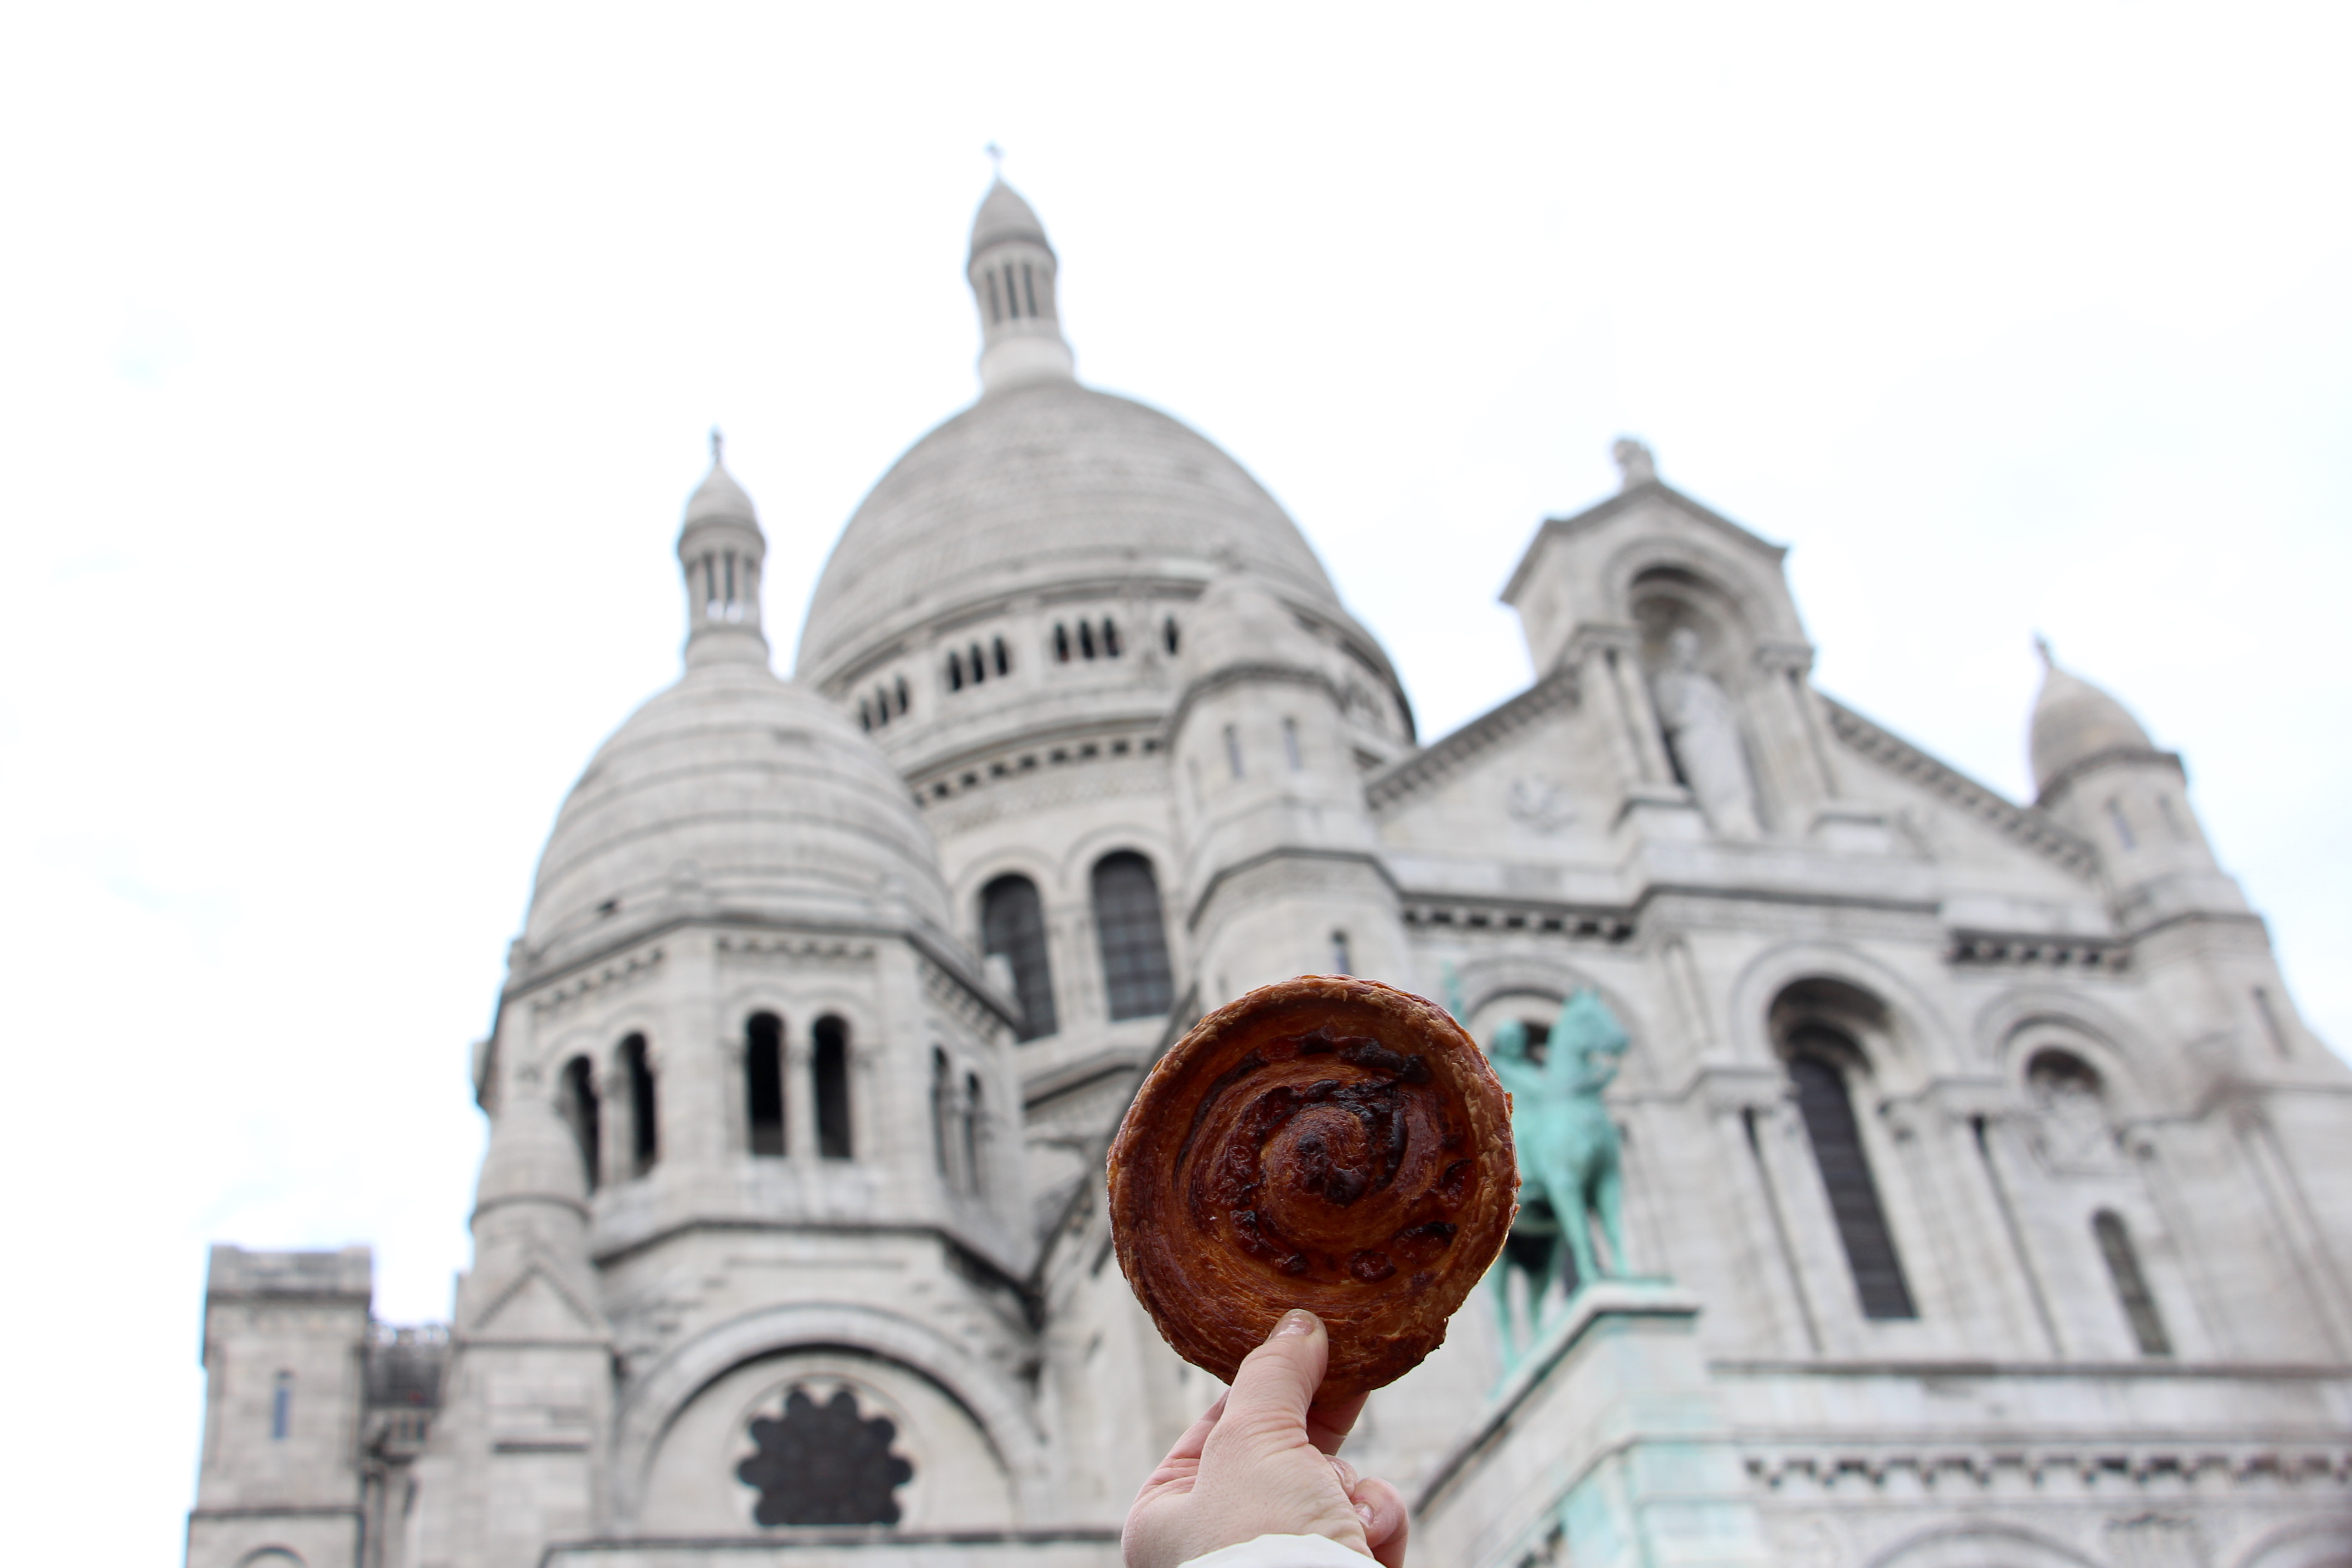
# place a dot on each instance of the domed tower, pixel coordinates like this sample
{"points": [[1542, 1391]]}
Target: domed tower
{"points": [[754, 1180], [1003, 616]]}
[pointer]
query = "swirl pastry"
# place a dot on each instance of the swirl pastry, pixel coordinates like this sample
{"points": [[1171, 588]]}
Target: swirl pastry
{"points": [[1325, 1143]]}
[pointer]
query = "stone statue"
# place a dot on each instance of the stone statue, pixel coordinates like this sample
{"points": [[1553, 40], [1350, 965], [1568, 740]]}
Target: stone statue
{"points": [[1572, 1173], [1703, 732], [1636, 465]]}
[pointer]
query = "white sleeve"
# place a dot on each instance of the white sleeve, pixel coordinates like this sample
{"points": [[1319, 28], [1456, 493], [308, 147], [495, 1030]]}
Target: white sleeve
{"points": [[1283, 1552]]}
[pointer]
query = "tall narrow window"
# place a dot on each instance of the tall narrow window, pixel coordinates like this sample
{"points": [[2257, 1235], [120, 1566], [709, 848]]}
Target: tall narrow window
{"points": [[955, 670], [1004, 658], [881, 708], [829, 1065], [865, 715], [1290, 744], [943, 1088], [1061, 643], [764, 1081], [1129, 924], [1342, 962], [281, 1405], [644, 1125], [576, 1103], [1028, 289], [898, 688], [1828, 1110], [1086, 639], [2131, 1285], [1233, 750], [995, 312], [1111, 637], [2121, 824], [974, 1129], [1012, 922], [979, 666], [1168, 633]]}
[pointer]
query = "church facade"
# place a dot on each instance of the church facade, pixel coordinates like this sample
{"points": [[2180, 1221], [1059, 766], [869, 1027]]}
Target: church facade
{"points": [[1987, 1204]]}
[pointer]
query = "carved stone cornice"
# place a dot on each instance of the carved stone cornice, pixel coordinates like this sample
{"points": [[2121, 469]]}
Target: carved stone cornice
{"points": [[2029, 827], [1409, 776]]}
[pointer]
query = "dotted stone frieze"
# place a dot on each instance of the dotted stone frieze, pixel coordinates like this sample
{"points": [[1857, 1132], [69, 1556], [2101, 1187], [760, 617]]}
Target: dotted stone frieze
{"points": [[824, 1464]]}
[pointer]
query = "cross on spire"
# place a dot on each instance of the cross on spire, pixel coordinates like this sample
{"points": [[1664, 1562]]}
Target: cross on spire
{"points": [[717, 446], [995, 159]]}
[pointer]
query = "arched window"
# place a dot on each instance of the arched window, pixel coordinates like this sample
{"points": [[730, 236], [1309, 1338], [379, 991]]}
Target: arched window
{"points": [[764, 1081], [979, 666], [2131, 1285], [575, 1101], [1111, 637], [1168, 633], [898, 690], [644, 1125], [943, 1088], [1342, 962], [281, 1405], [829, 1065], [1085, 640], [1816, 1063], [1012, 922], [1061, 643], [865, 715], [1134, 940], [955, 670], [973, 1130], [1004, 658]]}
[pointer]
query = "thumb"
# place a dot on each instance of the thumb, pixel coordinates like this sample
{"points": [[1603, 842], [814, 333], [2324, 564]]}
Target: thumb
{"points": [[1266, 1409]]}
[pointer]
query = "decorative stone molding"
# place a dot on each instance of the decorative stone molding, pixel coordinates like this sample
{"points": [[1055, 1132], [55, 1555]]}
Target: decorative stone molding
{"points": [[1412, 775], [1982, 950], [2029, 827], [1427, 912], [619, 974]]}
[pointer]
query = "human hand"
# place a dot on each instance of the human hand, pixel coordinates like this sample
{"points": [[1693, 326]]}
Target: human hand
{"points": [[1265, 1461]]}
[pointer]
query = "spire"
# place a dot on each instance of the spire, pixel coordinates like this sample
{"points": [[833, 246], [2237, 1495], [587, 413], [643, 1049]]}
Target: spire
{"points": [[1012, 270], [720, 550], [2074, 721]]}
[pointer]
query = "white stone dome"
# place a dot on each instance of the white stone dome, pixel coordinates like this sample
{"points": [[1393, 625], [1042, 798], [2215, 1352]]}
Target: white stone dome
{"points": [[1047, 482], [733, 793], [2073, 721]]}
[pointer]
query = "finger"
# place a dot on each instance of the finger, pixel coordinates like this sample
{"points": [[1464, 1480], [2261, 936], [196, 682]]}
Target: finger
{"points": [[1328, 1425], [1347, 1474], [1277, 1383], [1188, 1446], [1381, 1508]]}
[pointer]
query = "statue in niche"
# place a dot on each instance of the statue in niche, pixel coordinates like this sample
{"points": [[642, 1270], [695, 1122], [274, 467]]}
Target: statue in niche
{"points": [[2075, 1133], [1703, 732], [1572, 1170]]}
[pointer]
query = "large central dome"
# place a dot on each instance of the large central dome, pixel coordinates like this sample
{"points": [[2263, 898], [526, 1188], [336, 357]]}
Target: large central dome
{"points": [[1046, 481]]}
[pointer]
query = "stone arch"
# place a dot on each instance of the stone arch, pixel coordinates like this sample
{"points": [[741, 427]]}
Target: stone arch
{"points": [[271, 1557], [1904, 1053], [1486, 979], [2010, 1029], [1755, 596], [657, 1400], [2310, 1543], [1982, 1545]]}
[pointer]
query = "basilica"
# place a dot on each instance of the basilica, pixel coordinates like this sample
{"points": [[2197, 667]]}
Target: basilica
{"points": [[1986, 1202]]}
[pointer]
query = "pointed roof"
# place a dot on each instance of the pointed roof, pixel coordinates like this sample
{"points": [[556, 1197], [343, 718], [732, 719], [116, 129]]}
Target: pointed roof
{"points": [[1003, 216], [718, 496], [2074, 721]]}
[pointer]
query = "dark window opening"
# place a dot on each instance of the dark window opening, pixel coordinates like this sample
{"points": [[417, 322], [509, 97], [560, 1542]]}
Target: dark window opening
{"points": [[1342, 962], [824, 1464], [709, 583], [1827, 1107], [1111, 637], [576, 1103], [731, 577], [941, 1080], [281, 1405], [2131, 1285], [1028, 289], [995, 313], [2121, 824], [955, 670], [829, 1065], [1004, 658], [979, 666], [1085, 640], [1012, 922], [1290, 744], [973, 1130], [865, 715], [1130, 925], [898, 690], [1168, 633], [764, 1081], [645, 1129], [1061, 643]]}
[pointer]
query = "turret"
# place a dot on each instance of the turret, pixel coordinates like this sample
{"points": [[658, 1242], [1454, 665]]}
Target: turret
{"points": [[720, 551], [1012, 270], [2097, 771], [1281, 874]]}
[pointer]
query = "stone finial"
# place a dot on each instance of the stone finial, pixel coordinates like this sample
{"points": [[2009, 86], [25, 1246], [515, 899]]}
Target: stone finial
{"points": [[1636, 463]]}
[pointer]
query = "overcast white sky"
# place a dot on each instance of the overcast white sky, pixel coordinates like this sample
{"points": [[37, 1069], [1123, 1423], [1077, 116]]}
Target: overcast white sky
{"points": [[354, 365]]}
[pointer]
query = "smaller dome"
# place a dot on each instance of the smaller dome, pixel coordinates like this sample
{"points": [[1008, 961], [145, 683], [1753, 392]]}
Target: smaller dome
{"points": [[531, 1158], [718, 496], [1003, 216], [733, 793], [2073, 721]]}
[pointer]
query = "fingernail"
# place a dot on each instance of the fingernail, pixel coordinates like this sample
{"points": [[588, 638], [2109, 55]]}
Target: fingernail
{"points": [[1364, 1512], [1297, 1320]]}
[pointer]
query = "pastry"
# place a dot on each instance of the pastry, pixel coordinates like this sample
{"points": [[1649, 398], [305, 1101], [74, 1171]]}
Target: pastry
{"points": [[1325, 1142]]}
